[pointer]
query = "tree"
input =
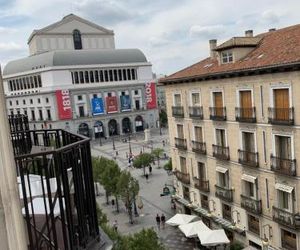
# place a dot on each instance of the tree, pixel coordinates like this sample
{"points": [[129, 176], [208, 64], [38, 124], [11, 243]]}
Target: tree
{"points": [[163, 118], [168, 166], [144, 240], [157, 153], [142, 161], [128, 188]]}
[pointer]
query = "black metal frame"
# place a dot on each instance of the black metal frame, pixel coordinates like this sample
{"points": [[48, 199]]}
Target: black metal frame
{"points": [[196, 112], [281, 116], [250, 204], [283, 166], [217, 114], [61, 163], [180, 143], [248, 158], [178, 111], [224, 193], [199, 147], [245, 115], [221, 152]]}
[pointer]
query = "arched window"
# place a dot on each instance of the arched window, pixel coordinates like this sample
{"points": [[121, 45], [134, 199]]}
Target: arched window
{"points": [[77, 39]]}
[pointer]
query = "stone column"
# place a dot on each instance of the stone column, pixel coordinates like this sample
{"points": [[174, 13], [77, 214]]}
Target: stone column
{"points": [[12, 228]]}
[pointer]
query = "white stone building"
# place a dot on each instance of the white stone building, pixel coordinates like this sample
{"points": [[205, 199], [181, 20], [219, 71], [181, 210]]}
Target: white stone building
{"points": [[75, 79]]}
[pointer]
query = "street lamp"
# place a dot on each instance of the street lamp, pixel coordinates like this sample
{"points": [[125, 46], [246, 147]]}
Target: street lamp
{"points": [[112, 131]]}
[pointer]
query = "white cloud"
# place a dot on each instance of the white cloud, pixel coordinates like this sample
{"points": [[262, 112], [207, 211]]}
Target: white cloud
{"points": [[206, 31], [10, 46], [271, 16]]}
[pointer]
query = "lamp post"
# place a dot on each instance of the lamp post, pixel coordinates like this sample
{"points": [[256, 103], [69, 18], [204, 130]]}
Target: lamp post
{"points": [[112, 131]]}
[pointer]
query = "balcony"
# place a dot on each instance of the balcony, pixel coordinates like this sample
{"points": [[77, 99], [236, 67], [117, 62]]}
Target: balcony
{"points": [[183, 177], [177, 111], [253, 226], [283, 166], [199, 147], [196, 112], [56, 187], [248, 158], [285, 218], [202, 185], [180, 143], [250, 204], [217, 114], [245, 115], [281, 116], [224, 193], [221, 152]]}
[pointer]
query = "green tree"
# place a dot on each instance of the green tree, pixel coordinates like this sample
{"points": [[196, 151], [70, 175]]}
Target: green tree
{"points": [[163, 118], [144, 240], [157, 153], [128, 188], [142, 161]]}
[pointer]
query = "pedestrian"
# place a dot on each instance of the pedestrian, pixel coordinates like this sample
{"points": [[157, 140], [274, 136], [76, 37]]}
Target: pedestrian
{"points": [[150, 169], [158, 221], [115, 225], [126, 155], [147, 176], [113, 202], [163, 142], [117, 153], [163, 221]]}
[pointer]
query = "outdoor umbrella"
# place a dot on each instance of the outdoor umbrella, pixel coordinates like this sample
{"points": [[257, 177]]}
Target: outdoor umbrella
{"points": [[181, 219], [213, 237], [194, 228]]}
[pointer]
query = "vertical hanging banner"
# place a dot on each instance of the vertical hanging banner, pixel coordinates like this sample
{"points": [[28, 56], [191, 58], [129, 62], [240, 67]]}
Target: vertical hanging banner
{"points": [[63, 101], [111, 104], [150, 89], [97, 106], [125, 103]]}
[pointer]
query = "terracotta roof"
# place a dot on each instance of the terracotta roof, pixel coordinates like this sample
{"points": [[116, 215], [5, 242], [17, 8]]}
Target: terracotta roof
{"points": [[239, 42], [280, 47]]}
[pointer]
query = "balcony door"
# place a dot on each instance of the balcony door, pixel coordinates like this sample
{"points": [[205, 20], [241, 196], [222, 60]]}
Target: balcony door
{"points": [[201, 171], [218, 103], [180, 133], [177, 100], [283, 147], [220, 137], [281, 104], [246, 104], [198, 134], [195, 98], [248, 142], [183, 165]]}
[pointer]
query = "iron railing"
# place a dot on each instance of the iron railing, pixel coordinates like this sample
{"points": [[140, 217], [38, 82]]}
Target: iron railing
{"points": [[283, 166], [281, 116], [18, 123], [183, 177], [224, 193], [196, 112], [221, 152], [245, 115], [56, 187], [178, 111], [202, 185], [199, 147], [285, 218], [180, 143], [248, 158], [250, 204], [217, 114]]}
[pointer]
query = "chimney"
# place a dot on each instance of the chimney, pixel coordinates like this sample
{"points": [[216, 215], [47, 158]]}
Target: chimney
{"points": [[273, 29], [249, 33], [212, 46]]}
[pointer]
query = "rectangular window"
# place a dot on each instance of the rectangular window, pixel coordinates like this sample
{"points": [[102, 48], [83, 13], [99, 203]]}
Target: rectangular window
{"points": [[47, 100], [177, 99], [223, 179], [283, 200], [137, 104], [39, 81], [76, 77], [49, 114], [106, 75], [195, 99], [92, 76], [288, 240], [227, 57], [124, 75], [180, 133], [109, 94], [39, 100], [249, 189], [17, 102], [110, 75], [182, 161], [115, 75], [35, 81], [79, 97], [248, 141], [41, 115], [10, 103], [81, 78], [128, 74], [136, 92], [201, 171], [24, 101], [33, 115], [226, 212], [221, 137], [81, 111], [31, 101], [198, 134], [86, 77], [96, 75], [283, 148], [253, 224], [133, 74], [101, 76], [120, 74]]}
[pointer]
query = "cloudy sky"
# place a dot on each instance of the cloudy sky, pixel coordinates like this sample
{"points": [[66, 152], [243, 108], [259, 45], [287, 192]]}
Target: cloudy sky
{"points": [[172, 33]]}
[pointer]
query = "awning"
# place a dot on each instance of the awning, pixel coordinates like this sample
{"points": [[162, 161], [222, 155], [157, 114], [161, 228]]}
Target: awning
{"points": [[284, 188], [181, 219], [194, 228], [213, 238], [248, 178], [221, 170]]}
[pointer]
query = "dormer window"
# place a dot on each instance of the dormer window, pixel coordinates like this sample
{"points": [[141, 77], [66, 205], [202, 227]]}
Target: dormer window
{"points": [[77, 39], [227, 57]]}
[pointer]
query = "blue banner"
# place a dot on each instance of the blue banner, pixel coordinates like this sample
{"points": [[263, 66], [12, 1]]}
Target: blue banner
{"points": [[97, 106], [125, 102]]}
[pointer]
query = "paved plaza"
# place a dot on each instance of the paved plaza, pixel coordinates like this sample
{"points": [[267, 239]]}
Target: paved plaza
{"points": [[150, 191]]}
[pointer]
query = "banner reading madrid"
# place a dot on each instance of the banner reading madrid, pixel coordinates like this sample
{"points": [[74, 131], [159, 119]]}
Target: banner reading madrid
{"points": [[150, 90], [63, 104]]}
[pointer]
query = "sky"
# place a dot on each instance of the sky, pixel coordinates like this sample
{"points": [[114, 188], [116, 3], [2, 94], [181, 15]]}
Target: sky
{"points": [[173, 34]]}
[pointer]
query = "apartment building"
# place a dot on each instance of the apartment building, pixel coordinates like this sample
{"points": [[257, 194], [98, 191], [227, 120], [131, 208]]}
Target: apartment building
{"points": [[235, 136]]}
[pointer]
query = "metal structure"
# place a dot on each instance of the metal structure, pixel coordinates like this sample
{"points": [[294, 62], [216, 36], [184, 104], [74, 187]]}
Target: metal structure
{"points": [[56, 187]]}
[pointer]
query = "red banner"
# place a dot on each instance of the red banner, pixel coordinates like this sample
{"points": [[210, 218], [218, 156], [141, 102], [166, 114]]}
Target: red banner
{"points": [[63, 104], [111, 104], [150, 95]]}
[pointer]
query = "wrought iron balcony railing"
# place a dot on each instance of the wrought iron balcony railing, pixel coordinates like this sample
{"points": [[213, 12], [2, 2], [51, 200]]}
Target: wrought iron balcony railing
{"points": [[283, 166], [183, 177], [178, 111], [250, 204], [202, 185], [196, 112], [18, 123], [221, 152], [180, 143], [281, 116], [248, 158], [56, 187], [217, 114], [285, 218], [245, 115], [199, 147], [224, 193]]}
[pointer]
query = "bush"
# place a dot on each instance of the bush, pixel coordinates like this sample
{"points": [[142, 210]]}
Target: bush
{"points": [[236, 246]]}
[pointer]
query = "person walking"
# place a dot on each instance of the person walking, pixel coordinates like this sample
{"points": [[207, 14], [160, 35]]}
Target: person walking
{"points": [[150, 169], [115, 225], [158, 221], [147, 176], [163, 221]]}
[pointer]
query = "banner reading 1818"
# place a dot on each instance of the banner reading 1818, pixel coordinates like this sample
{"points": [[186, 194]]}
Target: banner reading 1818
{"points": [[63, 104], [150, 90]]}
